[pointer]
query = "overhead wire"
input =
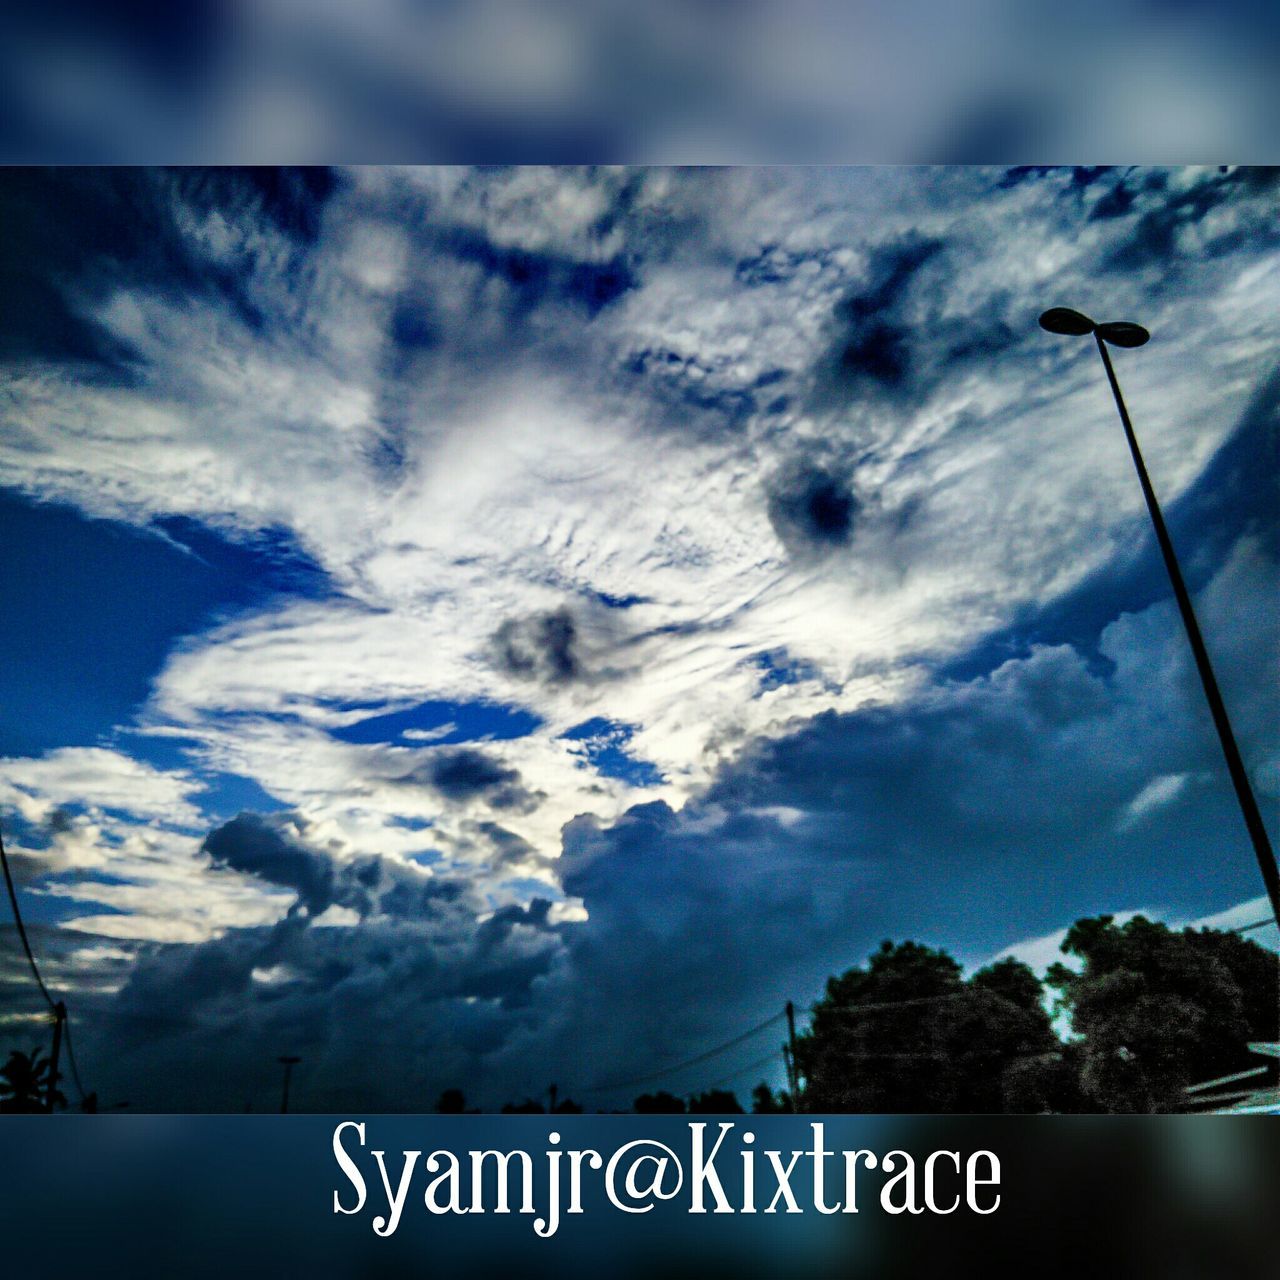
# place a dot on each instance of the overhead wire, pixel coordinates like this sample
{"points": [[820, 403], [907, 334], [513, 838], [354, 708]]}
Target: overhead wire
{"points": [[35, 970], [689, 1062], [22, 929]]}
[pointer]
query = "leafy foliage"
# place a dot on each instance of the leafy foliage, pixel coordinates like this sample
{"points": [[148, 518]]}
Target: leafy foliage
{"points": [[24, 1083], [714, 1102], [1158, 1009], [661, 1103], [907, 1033]]}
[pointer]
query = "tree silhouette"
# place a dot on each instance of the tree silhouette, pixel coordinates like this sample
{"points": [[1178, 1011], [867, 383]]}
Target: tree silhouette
{"points": [[764, 1102], [661, 1103], [1159, 1009], [908, 1034], [24, 1083], [714, 1102]]}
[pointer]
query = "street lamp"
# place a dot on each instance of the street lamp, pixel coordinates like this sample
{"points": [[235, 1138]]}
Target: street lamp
{"points": [[288, 1063], [1122, 333]]}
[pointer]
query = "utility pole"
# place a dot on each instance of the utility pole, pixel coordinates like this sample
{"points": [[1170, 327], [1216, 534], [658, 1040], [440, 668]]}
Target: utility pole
{"points": [[288, 1062], [793, 1070], [51, 1090]]}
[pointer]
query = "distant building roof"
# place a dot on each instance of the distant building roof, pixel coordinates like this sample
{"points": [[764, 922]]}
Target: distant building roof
{"points": [[1263, 1100]]}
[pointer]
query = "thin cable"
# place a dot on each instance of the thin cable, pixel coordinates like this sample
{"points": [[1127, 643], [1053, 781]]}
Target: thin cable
{"points": [[742, 1071], [35, 969], [689, 1062], [22, 931], [1257, 924], [888, 1004]]}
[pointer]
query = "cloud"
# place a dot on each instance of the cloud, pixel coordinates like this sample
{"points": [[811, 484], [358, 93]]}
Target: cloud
{"points": [[811, 511], [872, 345], [465, 774], [259, 846], [1157, 793], [543, 646]]}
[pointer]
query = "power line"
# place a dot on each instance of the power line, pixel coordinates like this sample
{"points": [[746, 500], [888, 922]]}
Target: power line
{"points": [[56, 1007], [888, 1004], [754, 1031], [22, 930], [742, 1071], [689, 1062], [1257, 924]]}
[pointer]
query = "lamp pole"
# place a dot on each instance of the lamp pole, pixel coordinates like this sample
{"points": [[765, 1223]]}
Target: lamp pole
{"points": [[1123, 334], [288, 1062]]}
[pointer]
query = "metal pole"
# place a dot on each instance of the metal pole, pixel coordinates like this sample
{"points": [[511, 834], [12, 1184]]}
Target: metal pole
{"points": [[51, 1089], [288, 1071], [792, 1065], [1235, 764]]}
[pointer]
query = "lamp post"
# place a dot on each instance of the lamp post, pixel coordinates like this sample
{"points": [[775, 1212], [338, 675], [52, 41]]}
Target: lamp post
{"points": [[288, 1062], [1062, 320]]}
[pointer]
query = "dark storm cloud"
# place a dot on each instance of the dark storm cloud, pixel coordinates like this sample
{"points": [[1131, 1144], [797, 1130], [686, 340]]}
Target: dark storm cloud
{"points": [[812, 510], [59, 821], [432, 991], [498, 845], [542, 646], [467, 774], [905, 820], [275, 849], [872, 345], [891, 335], [694, 920], [262, 847]]}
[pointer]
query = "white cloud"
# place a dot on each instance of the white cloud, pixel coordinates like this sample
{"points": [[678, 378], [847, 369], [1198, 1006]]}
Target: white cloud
{"points": [[1159, 792]]}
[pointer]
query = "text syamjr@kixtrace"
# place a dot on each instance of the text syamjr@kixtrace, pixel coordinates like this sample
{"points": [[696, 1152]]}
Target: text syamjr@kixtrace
{"points": [[641, 1173]]}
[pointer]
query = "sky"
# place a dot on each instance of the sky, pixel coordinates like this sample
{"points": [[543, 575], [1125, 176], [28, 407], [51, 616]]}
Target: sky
{"points": [[491, 627]]}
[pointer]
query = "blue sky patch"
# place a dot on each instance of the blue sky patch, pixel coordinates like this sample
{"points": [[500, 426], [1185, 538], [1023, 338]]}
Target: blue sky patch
{"points": [[437, 723], [604, 744], [777, 667], [95, 607]]}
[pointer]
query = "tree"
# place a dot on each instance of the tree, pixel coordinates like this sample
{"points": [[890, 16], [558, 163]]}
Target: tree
{"points": [[1158, 1009], [452, 1102], [661, 1103], [714, 1102], [24, 1083], [907, 1034], [764, 1102]]}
